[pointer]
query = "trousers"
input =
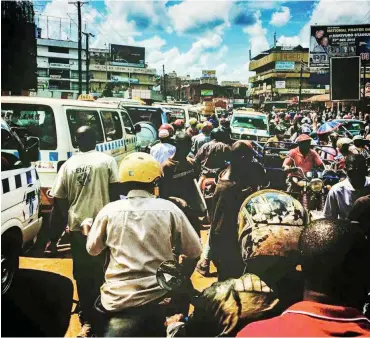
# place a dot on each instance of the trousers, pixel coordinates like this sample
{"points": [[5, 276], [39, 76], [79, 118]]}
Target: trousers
{"points": [[88, 272]]}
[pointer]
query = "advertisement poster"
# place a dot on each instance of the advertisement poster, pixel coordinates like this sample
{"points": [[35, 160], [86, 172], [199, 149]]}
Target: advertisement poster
{"points": [[116, 78], [338, 41], [279, 84], [127, 56], [206, 92], [208, 73], [284, 65]]}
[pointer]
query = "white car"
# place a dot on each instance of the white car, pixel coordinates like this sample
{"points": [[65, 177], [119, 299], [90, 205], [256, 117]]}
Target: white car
{"points": [[20, 200]]}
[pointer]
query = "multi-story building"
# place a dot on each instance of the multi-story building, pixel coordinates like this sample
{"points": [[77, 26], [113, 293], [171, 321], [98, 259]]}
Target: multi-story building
{"points": [[57, 68], [127, 81], [278, 75]]}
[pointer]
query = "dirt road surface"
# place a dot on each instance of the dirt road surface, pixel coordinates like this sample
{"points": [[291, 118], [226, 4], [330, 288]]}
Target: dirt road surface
{"points": [[40, 286]]}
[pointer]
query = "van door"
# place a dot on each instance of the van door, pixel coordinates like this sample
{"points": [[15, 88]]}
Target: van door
{"points": [[20, 188]]}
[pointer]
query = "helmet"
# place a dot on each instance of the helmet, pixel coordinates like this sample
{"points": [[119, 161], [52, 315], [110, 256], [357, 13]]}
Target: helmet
{"points": [[139, 167], [347, 117], [343, 141], [207, 127], [179, 123], [303, 138], [270, 223], [193, 121], [168, 127], [216, 134]]}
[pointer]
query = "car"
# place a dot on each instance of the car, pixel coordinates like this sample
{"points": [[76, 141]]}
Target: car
{"points": [[20, 200], [354, 127], [249, 125]]}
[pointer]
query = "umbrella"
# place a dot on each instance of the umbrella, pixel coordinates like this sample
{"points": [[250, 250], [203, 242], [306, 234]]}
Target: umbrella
{"points": [[328, 127]]}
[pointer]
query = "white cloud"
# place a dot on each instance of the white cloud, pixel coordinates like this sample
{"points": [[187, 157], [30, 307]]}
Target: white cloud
{"points": [[289, 40], [188, 15], [281, 17], [257, 35], [326, 12]]}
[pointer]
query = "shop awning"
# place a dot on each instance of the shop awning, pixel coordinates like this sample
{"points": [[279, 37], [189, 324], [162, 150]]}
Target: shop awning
{"points": [[318, 98]]}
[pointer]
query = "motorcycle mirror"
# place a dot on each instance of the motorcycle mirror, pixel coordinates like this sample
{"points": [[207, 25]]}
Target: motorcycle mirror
{"points": [[169, 276]]}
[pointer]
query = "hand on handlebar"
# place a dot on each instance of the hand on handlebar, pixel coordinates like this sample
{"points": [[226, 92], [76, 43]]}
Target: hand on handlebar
{"points": [[291, 170]]}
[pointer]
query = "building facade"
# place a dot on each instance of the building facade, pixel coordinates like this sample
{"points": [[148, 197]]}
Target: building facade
{"points": [[57, 68], [278, 75], [122, 80]]}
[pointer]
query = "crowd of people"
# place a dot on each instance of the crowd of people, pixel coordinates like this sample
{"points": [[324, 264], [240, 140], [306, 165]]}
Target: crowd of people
{"points": [[279, 273]]}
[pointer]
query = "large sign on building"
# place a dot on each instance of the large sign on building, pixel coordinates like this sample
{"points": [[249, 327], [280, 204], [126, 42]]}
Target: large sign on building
{"points": [[206, 92], [127, 55], [284, 65], [338, 41], [119, 69], [208, 73], [278, 56]]}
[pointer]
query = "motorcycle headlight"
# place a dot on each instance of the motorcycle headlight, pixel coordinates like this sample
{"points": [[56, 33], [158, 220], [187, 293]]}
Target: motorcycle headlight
{"points": [[316, 185]]}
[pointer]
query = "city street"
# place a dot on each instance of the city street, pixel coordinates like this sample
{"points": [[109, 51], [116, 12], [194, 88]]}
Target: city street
{"points": [[41, 299]]}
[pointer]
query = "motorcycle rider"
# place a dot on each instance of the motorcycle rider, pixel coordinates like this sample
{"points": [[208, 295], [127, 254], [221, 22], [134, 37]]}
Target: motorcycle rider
{"points": [[139, 232], [225, 129], [234, 184], [212, 156], [301, 157], [333, 254], [164, 150], [192, 130], [202, 138], [270, 223]]}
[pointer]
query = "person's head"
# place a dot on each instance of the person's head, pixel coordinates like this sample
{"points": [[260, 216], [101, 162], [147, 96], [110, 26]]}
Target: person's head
{"points": [[334, 256], [167, 126], [334, 139], [241, 154], [183, 145], [216, 134], [193, 122], [207, 128], [178, 124], [356, 170], [280, 132], [304, 143], [343, 145], [139, 171], [85, 138], [164, 135], [359, 141], [324, 41], [319, 34]]}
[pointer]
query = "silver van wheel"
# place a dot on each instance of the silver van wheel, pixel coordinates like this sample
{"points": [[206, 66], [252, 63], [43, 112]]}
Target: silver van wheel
{"points": [[9, 267]]}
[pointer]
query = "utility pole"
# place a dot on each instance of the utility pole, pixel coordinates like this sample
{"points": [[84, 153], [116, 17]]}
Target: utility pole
{"points": [[87, 35], [164, 85], [363, 94], [79, 49], [300, 86]]}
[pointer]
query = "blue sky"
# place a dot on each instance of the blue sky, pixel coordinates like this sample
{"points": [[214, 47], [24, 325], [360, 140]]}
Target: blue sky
{"points": [[188, 36]]}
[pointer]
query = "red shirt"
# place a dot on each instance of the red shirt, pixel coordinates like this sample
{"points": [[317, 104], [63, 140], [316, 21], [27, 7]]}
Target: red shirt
{"points": [[311, 319], [306, 163]]}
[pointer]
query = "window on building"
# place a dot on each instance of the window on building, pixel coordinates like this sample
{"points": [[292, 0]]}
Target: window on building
{"points": [[74, 86], [54, 49], [42, 72], [59, 85], [59, 60], [129, 127], [112, 125], [80, 117], [38, 120]]}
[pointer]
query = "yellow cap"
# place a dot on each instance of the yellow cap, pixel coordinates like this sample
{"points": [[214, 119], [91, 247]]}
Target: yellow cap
{"points": [[139, 167]]}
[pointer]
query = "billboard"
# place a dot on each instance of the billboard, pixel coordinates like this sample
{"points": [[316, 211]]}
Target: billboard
{"points": [[206, 92], [338, 41], [116, 78], [345, 78], [208, 73], [284, 65], [127, 56], [279, 84]]}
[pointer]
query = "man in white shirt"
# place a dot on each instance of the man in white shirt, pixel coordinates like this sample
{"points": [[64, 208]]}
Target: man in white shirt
{"points": [[343, 195], [140, 232], [164, 150], [83, 183]]}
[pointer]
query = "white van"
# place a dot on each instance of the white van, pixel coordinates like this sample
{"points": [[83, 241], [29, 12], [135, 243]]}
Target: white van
{"points": [[182, 112], [55, 121], [20, 201]]}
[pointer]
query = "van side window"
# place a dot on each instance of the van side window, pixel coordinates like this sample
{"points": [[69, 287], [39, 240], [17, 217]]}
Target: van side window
{"points": [[32, 120], [193, 114], [80, 117], [112, 125], [7, 142], [129, 127]]}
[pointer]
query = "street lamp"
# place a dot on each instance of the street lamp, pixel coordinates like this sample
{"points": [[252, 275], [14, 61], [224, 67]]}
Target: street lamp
{"points": [[87, 61]]}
